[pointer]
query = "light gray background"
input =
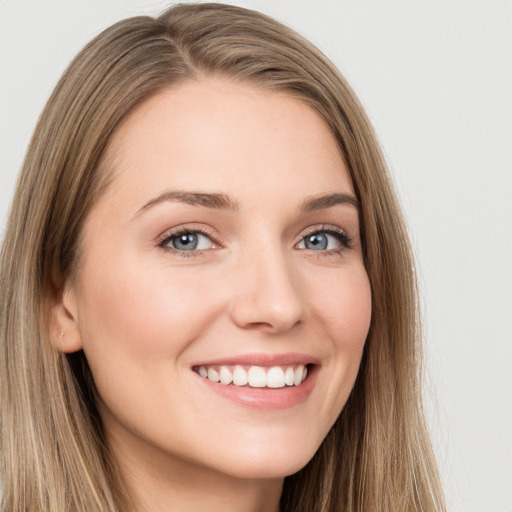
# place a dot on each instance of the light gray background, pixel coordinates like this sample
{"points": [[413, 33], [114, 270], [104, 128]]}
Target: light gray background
{"points": [[436, 79]]}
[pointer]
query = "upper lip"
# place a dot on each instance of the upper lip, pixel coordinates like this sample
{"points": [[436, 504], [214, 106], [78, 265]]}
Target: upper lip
{"points": [[260, 359]]}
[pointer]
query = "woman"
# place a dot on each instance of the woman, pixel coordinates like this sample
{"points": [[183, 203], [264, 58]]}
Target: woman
{"points": [[208, 297]]}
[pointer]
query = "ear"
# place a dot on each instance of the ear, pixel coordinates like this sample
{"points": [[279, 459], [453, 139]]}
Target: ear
{"points": [[63, 314]]}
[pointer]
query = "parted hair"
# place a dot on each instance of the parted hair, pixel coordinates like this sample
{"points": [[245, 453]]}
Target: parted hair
{"points": [[54, 458]]}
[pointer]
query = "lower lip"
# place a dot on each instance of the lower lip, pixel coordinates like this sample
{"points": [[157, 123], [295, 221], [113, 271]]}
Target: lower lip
{"points": [[265, 398]]}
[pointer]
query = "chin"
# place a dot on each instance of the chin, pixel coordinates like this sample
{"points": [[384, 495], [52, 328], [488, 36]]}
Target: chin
{"points": [[264, 463]]}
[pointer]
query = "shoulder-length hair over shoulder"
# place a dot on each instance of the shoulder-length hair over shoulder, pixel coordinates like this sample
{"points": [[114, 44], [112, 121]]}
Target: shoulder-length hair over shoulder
{"points": [[377, 457]]}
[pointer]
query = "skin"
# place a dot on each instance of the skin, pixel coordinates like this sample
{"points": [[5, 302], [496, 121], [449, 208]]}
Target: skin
{"points": [[145, 314]]}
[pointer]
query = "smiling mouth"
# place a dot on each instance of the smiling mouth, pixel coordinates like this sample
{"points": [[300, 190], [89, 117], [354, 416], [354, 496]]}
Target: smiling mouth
{"points": [[273, 377]]}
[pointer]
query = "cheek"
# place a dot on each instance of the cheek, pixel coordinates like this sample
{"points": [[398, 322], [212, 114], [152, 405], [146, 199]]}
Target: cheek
{"points": [[137, 327], [344, 307], [343, 310], [351, 325], [141, 315]]}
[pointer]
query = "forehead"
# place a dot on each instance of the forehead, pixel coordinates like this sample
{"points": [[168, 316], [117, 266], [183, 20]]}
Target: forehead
{"points": [[218, 135]]}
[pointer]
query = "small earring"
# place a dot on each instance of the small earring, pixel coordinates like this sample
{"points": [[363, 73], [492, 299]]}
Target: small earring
{"points": [[61, 335]]}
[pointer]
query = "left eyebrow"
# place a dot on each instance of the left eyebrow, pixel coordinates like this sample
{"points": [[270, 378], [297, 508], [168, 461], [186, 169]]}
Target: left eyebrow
{"points": [[329, 200]]}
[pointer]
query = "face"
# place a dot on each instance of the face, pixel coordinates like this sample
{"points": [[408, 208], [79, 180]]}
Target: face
{"points": [[226, 248]]}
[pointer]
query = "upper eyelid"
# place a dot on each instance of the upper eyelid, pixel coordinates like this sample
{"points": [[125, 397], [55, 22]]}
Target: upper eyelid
{"points": [[319, 228], [211, 233], [178, 230], [346, 241], [322, 227]]}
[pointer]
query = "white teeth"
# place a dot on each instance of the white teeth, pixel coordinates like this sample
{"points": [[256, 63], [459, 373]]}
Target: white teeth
{"points": [[225, 376], [275, 377], [298, 375], [257, 376], [289, 376], [239, 376], [213, 375]]}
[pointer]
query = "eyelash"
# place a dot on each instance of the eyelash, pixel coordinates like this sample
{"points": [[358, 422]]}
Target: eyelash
{"points": [[346, 242], [175, 233], [338, 233]]}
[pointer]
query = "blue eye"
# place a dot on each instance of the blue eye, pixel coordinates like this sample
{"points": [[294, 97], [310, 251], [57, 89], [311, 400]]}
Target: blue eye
{"points": [[188, 241], [317, 242], [324, 240]]}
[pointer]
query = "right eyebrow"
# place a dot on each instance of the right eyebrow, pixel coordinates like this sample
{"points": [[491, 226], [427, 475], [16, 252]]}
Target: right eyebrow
{"points": [[216, 201], [321, 202]]}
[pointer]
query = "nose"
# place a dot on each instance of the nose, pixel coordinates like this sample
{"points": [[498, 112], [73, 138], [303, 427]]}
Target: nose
{"points": [[268, 295]]}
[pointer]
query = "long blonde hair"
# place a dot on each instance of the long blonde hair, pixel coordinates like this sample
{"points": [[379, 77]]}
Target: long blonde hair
{"points": [[377, 457]]}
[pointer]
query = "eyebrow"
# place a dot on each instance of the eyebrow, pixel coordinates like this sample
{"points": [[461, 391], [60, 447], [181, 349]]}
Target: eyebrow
{"points": [[219, 201], [322, 202], [216, 201]]}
